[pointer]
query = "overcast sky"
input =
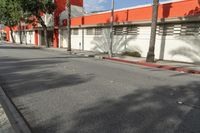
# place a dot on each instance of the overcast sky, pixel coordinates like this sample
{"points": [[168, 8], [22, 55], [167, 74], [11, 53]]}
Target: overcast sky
{"points": [[96, 5]]}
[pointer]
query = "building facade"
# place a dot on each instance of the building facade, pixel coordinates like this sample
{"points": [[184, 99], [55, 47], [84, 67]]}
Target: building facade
{"points": [[178, 31]]}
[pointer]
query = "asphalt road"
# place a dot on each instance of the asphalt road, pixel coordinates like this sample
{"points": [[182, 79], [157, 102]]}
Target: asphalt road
{"points": [[59, 93]]}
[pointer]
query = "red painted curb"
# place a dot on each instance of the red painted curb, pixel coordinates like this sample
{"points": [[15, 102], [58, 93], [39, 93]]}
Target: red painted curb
{"points": [[164, 67]]}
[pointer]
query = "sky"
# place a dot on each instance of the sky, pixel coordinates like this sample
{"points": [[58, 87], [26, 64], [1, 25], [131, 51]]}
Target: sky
{"points": [[98, 5]]}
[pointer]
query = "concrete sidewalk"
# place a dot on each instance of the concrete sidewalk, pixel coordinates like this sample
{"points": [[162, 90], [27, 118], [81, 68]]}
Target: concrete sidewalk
{"points": [[5, 126], [167, 65], [11, 121], [181, 66], [74, 52]]}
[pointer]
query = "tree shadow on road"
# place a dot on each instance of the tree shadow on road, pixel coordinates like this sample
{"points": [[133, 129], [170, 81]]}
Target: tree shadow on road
{"points": [[153, 110], [26, 76], [157, 109]]}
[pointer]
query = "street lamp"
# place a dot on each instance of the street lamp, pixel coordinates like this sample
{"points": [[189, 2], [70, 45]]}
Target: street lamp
{"points": [[111, 29]]}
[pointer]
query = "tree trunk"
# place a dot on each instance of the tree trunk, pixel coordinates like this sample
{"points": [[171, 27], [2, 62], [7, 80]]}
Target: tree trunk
{"points": [[20, 33], [150, 55], [13, 39], [110, 52], [45, 31], [69, 26], [46, 37]]}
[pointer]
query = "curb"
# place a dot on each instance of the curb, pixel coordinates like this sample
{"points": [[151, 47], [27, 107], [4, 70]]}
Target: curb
{"points": [[164, 67], [67, 52], [17, 121], [5, 125], [64, 51]]}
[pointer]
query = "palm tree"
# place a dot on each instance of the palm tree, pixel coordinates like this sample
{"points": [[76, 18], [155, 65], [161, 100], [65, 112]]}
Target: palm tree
{"points": [[69, 25], [150, 55], [111, 29]]}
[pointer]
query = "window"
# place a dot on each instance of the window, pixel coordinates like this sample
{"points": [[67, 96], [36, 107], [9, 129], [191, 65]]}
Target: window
{"points": [[190, 29], [118, 31], [165, 30], [90, 31], [132, 30], [74, 31], [98, 31]]}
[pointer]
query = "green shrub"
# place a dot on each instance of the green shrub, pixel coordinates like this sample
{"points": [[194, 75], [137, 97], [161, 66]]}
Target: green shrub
{"points": [[133, 53]]}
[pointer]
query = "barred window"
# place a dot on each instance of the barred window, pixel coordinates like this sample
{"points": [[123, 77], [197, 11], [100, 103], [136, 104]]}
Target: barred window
{"points": [[190, 29], [118, 31], [132, 30], [165, 30], [90, 31], [74, 31], [98, 31]]}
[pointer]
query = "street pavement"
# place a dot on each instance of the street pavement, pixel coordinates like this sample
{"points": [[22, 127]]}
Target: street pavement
{"points": [[61, 93]]}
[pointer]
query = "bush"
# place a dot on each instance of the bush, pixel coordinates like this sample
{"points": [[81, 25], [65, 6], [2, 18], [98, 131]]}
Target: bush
{"points": [[133, 54]]}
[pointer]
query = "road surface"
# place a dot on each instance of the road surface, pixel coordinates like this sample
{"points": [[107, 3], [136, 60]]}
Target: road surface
{"points": [[59, 93]]}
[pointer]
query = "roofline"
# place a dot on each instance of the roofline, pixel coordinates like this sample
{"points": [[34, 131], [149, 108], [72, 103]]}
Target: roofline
{"points": [[133, 7]]}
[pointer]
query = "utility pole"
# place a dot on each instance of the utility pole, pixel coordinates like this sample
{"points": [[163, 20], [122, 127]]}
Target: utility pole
{"points": [[69, 25], [151, 55], [111, 29]]}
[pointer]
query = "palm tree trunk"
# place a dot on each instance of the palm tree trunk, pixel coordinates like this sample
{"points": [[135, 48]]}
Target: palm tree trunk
{"points": [[46, 37], [20, 33], [151, 55], [111, 30], [69, 26]]}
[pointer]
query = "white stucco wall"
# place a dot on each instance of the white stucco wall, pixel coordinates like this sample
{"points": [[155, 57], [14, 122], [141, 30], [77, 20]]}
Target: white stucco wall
{"points": [[30, 37], [181, 48], [63, 38], [77, 40], [176, 47]]}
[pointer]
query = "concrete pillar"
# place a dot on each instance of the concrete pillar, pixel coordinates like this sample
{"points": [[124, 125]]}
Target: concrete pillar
{"points": [[36, 38]]}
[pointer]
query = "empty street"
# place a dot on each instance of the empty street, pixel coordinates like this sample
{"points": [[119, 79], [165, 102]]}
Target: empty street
{"points": [[60, 93]]}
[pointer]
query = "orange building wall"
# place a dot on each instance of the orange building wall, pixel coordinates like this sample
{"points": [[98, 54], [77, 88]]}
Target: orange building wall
{"points": [[36, 37], [61, 4], [7, 29], [55, 38], [169, 10]]}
